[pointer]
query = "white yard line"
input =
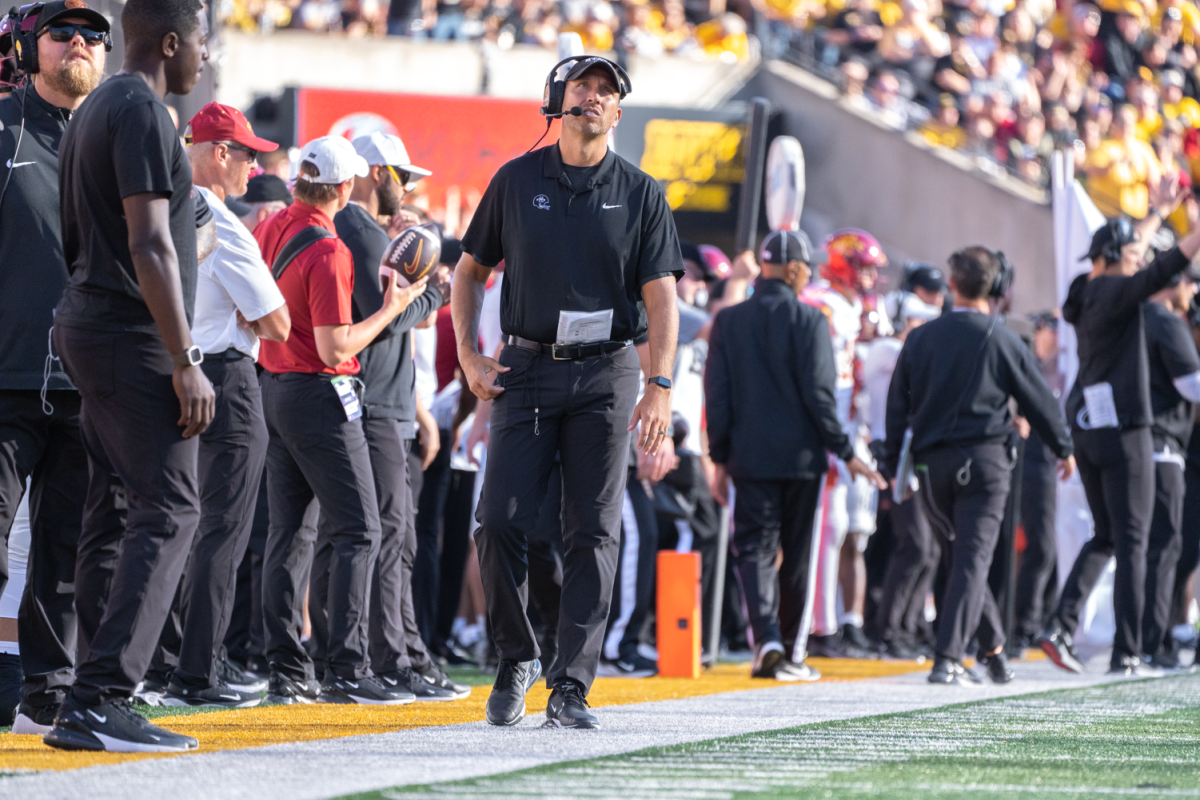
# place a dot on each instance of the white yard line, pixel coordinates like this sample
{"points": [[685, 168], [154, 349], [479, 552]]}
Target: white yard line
{"points": [[329, 768]]}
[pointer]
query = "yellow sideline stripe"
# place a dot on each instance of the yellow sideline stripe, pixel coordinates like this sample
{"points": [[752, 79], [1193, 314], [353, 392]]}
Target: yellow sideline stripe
{"points": [[256, 727]]}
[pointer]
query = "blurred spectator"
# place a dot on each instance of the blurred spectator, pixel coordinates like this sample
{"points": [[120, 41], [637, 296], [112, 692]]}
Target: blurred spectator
{"points": [[885, 95], [854, 82], [943, 129], [856, 30], [724, 38], [1120, 169]]}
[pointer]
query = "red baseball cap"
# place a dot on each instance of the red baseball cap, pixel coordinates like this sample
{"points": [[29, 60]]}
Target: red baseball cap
{"points": [[218, 123]]}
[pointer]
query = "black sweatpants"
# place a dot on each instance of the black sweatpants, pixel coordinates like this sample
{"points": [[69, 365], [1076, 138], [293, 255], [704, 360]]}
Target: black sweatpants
{"points": [[1117, 470], [1163, 549], [909, 573], [1037, 588], [49, 448], [431, 500], [314, 451], [142, 507], [633, 591], [964, 489], [769, 515], [579, 410]]}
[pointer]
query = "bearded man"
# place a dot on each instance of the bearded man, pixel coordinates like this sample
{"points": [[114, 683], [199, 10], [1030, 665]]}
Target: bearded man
{"points": [[39, 405]]}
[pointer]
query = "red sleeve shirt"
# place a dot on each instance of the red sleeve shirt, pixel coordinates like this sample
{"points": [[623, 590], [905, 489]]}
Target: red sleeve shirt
{"points": [[317, 286]]}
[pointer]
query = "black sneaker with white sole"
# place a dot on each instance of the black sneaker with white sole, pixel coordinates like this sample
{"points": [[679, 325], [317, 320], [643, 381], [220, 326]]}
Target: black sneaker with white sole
{"points": [[506, 703], [219, 696], [406, 680], [114, 728], [238, 677], [634, 666], [568, 708], [368, 691], [434, 674], [284, 691], [150, 691], [34, 720]]}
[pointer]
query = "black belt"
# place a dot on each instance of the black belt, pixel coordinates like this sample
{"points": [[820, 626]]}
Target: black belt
{"points": [[232, 354], [569, 352]]}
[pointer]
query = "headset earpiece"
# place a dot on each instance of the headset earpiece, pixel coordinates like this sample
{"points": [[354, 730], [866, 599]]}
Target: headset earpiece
{"points": [[1004, 277], [556, 84]]}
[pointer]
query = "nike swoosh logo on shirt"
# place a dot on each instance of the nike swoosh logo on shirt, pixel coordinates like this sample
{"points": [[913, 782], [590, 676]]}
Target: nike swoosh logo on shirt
{"points": [[606, 206], [11, 165]]}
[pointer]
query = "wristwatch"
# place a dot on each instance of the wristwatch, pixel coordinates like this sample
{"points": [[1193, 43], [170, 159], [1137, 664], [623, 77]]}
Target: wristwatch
{"points": [[661, 381], [192, 357]]}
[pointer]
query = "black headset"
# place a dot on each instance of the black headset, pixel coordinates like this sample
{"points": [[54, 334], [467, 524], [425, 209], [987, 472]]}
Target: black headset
{"points": [[1122, 233], [556, 83], [1004, 276], [24, 43]]}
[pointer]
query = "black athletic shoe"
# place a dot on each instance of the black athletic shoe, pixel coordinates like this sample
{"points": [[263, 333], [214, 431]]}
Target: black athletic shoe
{"points": [[996, 666], [901, 651], [11, 676], [506, 704], [826, 646], [949, 672], [1133, 667], [34, 720], [219, 696], [635, 666], [283, 691], [368, 691], [150, 691], [568, 708], [407, 680], [855, 642], [112, 727], [1058, 645], [435, 675], [240, 678]]}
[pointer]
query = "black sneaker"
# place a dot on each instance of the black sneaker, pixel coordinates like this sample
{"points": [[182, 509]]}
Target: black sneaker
{"points": [[506, 703], [240, 678], [1133, 667], [996, 666], [949, 672], [856, 644], [34, 720], [283, 691], [114, 728], [407, 680], [150, 691], [368, 691], [435, 675], [11, 676], [219, 696], [1058, 645], [898, 650], [568, 708], [636, 666], [825, 646]]}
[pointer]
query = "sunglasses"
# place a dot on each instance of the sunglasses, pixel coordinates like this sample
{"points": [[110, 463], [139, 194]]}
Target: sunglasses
{"points": [[66, 31], [402, 176], [251, 154]]}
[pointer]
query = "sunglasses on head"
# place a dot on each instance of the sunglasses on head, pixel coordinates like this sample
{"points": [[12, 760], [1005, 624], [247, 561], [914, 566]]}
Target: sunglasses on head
{"points": [[66, 31]]}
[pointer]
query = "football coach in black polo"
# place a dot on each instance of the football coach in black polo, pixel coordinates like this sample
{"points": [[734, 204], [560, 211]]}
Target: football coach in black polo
{"points": [[591, 260]]}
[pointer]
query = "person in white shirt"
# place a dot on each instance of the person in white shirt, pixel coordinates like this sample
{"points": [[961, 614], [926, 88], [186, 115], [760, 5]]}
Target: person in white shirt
{"points": [[237, 302]]}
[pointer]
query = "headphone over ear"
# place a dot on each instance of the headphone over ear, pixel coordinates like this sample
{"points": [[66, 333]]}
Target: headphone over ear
{"points": [[1004, 278], [1122, 233], [556, 82], [24, 45]]}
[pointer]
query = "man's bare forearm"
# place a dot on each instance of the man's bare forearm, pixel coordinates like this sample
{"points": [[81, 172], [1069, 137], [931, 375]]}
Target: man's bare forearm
{"points": [[466, 302]]}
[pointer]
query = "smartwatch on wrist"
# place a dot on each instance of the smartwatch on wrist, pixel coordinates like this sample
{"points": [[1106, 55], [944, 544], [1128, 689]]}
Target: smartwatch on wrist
{"points": [[192, 357], [661, 381]]}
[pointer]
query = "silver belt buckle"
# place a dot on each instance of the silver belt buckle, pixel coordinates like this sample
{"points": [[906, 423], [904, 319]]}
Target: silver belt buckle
{"points": [[554, 352]]}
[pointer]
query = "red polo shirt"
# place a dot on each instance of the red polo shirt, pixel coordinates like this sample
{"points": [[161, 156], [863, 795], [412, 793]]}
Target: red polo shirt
{"points": [[317, 285]]}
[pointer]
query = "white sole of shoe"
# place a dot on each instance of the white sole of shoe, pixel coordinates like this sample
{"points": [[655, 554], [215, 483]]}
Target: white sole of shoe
{"points": [[175, 702], [371, 701], [113, 745], [25, 726], [449, 699]]}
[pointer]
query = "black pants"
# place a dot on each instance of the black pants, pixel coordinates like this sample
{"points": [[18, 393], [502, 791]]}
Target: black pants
{"points": [[49, 448], [315, 451], [1190, 552], [431, 500], [546, 566], [244, 637], [579, 410], [1037, 588], [142, 507], [1117, 470], [395, 642], [767, 516], [963, 494], [633, 591], [909, 573], [456, 543], [1162, 550]]}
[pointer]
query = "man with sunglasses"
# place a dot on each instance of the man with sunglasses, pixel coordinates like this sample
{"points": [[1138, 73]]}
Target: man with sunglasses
{"points": [[39, 433]]}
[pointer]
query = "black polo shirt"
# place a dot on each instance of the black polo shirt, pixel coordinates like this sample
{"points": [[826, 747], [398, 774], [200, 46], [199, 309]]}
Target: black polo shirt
{"points": [[590, 248], [1172, 355]]}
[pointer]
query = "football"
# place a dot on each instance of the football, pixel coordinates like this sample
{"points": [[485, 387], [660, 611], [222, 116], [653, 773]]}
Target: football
{"points": [[410, 256]]}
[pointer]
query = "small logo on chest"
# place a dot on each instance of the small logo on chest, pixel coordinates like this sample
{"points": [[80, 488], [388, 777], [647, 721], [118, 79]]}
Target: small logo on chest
{"points": [[542, 202]]}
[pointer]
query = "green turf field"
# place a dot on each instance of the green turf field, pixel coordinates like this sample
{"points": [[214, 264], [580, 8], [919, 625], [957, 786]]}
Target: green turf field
{"points": [[1137, 738]]}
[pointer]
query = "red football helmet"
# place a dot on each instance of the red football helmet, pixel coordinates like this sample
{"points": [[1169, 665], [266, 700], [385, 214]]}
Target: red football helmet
{"points": [[855, 258]]}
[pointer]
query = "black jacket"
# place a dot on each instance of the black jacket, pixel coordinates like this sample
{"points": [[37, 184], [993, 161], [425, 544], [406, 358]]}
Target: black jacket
{"points": [[769, 386], [387, 370], [33, 270], [952, 383], [1173, 355], [1107, 315]]}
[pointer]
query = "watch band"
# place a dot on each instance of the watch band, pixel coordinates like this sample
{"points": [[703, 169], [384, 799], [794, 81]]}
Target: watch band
{"points": [[191, 357], [661, 381]]}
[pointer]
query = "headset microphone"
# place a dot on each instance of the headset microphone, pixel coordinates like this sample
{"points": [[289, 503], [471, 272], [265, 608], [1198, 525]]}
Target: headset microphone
{"points": [[574, 111]]}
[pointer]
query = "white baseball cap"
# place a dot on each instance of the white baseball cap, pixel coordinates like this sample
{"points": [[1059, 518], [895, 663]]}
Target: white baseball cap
{"points": [[387, 150], [335, 160]]}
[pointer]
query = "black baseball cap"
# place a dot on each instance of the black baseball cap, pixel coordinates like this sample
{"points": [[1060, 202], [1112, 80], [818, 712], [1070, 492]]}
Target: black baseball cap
{"points": [[267, 189], [925, 276], [61, 9], [782, 247], [1117, 233], [619, 76]]}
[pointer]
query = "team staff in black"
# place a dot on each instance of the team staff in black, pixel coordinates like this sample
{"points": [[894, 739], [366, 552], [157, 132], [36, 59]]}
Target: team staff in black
{"points": [[1110, 412], [1174, 387], [592, 257], [40, 438], [951, 386], [772, 416], [122, 329]]}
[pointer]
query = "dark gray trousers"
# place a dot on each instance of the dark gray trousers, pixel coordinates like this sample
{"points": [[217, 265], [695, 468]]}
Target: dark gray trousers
{"points": [[580, 410], [314, 451], [633, 592], [1162, 554], [49, 448], [909, 573], [142, 507], [1037, 590]]}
